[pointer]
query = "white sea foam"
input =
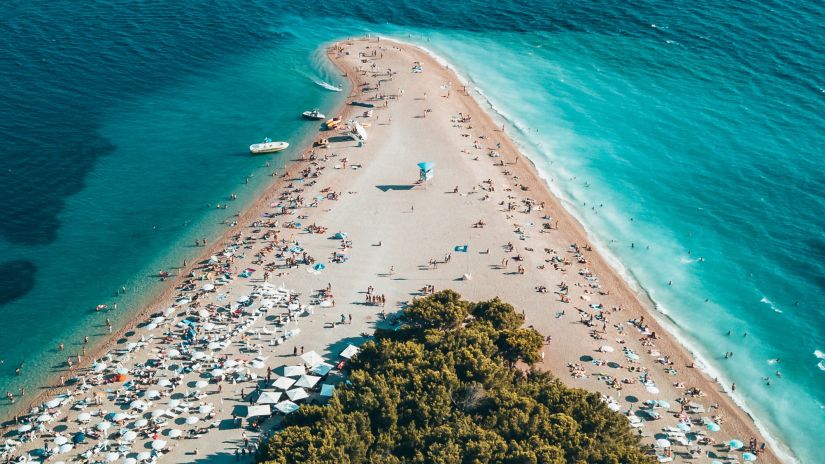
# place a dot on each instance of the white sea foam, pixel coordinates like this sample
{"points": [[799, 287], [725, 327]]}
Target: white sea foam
{"points": [[770, 303], [819, 354], [327, 85]]}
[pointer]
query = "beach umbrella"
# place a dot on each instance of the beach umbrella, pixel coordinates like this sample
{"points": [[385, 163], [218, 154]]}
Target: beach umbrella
{"points": [[312, 359], [121, 370], [283, 383], [256, 364], [79, 437], [158, 412], [214, 346], [45, 418], [652, 389], [750, 457], [203, 313], [607, 349], [53, 403], [84, 417], [663, 404], [164, 383], [297, 394], [208, 287], [319, 267], [683, 427], [201, 384], [217, 372], [198, 355], [294, 371], [60, 440], [175, 433], [168, 311], [144, 456], [158, 445], [152, 394], [322, 369], [119, 417], [99, 367], [191, 420], [349, 351], [130, 461], [713, 427], [65, 448], [293, 306], [230, 363], [103, 425], [325, 304], [151, 326], [341, 235], [208, 326], [243, 299], [24, 428], [112, 457], [140, 423], [130, 435], [663, 443], [269, 397], [327, 390], [307, 381], [287, 407], [205, 408], [735, 444], [173, 353]]}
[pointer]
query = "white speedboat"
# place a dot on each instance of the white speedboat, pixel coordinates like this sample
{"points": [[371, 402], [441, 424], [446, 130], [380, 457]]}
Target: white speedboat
{"points": [[314, 115], [267, 146]]}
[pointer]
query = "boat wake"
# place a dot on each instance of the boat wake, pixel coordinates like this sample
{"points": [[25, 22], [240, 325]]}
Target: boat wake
{"points": [[327, 85]]}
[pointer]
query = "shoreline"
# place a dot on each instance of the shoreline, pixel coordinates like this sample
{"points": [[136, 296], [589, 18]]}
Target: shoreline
{"points": [[539, 186], [613, 262]]}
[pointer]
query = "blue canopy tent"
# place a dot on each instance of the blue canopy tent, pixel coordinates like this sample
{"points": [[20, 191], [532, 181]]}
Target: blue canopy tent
{"points": [[426, 170]]}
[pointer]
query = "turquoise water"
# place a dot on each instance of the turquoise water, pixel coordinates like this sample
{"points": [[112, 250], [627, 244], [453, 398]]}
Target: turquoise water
{"points": [[701, 121]]}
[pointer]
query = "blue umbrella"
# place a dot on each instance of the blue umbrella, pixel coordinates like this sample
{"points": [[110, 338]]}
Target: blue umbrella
{"points": [[683, 427], [79, 437], [750, 457], [341, 235], [663, 404], [319, 267], [713, 427], [426, 165], [735, 444]]}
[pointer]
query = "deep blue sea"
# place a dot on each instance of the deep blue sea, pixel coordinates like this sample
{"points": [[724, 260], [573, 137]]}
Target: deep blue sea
{"points": [[688, 136]]}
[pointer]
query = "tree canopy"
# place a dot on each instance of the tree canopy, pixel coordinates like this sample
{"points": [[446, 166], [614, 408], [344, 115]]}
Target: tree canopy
{"points": [[446, 388]]}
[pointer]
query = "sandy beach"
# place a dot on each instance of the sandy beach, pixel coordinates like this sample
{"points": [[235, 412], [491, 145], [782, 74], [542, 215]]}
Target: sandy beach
{"points": [[348, 226]]}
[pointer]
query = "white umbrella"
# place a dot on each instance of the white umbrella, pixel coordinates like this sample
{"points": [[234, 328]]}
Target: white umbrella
{"points": [[119, 417], [208, 326], [24, 428], [158, 412], [283, 383], [191, 420], [312, 359], [322, 369], [349, 351], [203, 313], [164, 383], [325, 304], [208, 287], [663, 443], [99, 367], [144, 456], [174, 403], [140, 423], [104, 425], [45, 418], [121, 370], [294, 371], [60, 440], [307, 381], [173, 353], [130, 461], [287, 407], [230, 363], [151, 326], [198, 355], [269, 397], [158, 445], [217, 372], [84, 417], [130, 435], [214, 346], [112, 457], [256, 364], [152, 394], [607, 349], [65, 448], [175, 433], [652, 389], [297, 394], [201, 384], [205, 408]]}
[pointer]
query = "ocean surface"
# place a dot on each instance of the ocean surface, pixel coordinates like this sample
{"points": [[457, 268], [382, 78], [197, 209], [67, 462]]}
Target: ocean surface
{"points": [[688, 137]]}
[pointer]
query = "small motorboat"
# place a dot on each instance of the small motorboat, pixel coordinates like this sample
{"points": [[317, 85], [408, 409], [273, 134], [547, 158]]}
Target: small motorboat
{"points": [[321, 143], [314, 115], [267, 146]]}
